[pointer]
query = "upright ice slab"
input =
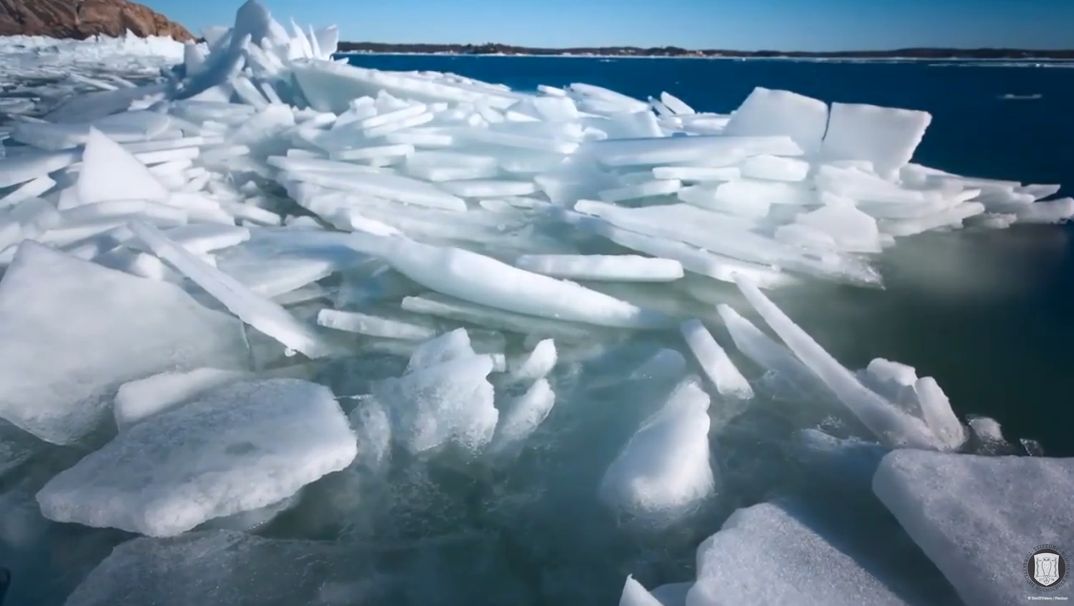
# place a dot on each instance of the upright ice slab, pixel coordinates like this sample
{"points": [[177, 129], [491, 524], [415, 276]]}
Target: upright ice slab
{"points": [[72, 332], [981, 519], [237, 448]]}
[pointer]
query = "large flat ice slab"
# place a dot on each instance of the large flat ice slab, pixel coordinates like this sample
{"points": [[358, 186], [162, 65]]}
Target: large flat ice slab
{"points": [[737, 565], [72, 332], [241, 447], [980, 519]]}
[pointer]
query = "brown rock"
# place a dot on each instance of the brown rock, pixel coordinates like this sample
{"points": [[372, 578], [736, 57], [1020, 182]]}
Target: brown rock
{"points": [[84, 18]]}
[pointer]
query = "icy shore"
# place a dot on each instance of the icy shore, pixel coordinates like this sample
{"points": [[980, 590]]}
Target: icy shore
{"points": [[249, 286]]}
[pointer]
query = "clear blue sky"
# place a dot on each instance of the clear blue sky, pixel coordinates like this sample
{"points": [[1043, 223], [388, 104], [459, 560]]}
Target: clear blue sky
{"points": [[732, 24]]}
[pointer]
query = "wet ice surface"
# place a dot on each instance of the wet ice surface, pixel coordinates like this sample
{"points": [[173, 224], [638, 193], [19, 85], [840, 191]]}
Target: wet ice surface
{"points": [[334, 335]]}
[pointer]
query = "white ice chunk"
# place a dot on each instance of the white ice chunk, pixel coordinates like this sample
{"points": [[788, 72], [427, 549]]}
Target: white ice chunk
{"points": [[536, 364], [774, 168], [390, 187], [698, 173], [884, 136], [664, 471], [261, 313], [714, 362], [731, 565], [938, 415], [778, 112], [376, 326], [138, 400], [484, 280], [110, 172], [522, 416], [489, 188], [444, 397], [634, 594], [28, 190], [852, 230], [72, 332], [980, 519], [29, 166], [675, 104], [615, 268], [237, 448], [646, 189], [688, 150]]}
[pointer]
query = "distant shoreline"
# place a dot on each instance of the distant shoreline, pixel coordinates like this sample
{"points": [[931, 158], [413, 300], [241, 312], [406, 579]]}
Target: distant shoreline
{"points": [[998, 54]]}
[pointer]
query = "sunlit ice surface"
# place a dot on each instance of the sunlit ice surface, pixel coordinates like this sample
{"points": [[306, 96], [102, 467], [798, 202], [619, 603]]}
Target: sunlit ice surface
{"points": [[282, 330]]}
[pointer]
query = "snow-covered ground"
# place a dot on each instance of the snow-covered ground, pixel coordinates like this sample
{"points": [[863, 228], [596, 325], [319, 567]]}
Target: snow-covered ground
{"points": [[263, 285]]}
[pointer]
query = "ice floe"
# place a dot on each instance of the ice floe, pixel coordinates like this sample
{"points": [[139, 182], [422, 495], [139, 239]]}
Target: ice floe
{"points": [[234, 449]]}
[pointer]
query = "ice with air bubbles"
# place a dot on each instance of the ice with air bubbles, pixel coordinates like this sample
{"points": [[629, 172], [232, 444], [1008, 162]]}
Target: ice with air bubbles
{"points": [[279, 329]]}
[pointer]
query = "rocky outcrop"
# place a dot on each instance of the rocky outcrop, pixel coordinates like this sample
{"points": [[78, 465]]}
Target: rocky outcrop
{"points": [[84, 18]]}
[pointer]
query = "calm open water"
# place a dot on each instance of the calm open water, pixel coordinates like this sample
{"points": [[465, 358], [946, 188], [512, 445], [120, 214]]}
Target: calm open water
{"points": [[989, 314]]}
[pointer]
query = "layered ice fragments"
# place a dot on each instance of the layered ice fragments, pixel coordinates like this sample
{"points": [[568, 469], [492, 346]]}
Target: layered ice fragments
{"points": [[73, 332], [353, 215], [234, 449]]}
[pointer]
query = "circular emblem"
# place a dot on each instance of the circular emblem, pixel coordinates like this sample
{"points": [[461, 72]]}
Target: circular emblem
{"points": [[1046, 568]]}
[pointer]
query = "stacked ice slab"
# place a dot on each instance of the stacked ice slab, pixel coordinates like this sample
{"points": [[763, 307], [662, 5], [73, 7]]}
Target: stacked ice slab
{"points": [[190, 253]]}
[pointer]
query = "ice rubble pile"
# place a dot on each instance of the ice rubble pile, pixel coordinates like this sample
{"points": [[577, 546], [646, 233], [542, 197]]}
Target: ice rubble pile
{"points": [[171, 246], [38, 72]]}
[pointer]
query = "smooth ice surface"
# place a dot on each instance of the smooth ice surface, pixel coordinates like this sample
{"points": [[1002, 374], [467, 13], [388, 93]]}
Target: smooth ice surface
{"points": [[664, 471], [780, 112], [623, 268], [733, 565], [110, 172], [72, 332], [137, 400], [237, 448], [979, 519], [883, 136], [484, 280]]}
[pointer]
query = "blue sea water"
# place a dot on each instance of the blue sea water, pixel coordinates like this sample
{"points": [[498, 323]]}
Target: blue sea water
{"points": [[989, 314]]}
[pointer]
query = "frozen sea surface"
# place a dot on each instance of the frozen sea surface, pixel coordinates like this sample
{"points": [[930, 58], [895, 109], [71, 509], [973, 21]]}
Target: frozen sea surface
{"points": [[464, 330]]}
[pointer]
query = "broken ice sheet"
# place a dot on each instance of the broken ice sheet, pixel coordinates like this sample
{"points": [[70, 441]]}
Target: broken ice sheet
{"points": [[55, 309], [235, 448]]}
